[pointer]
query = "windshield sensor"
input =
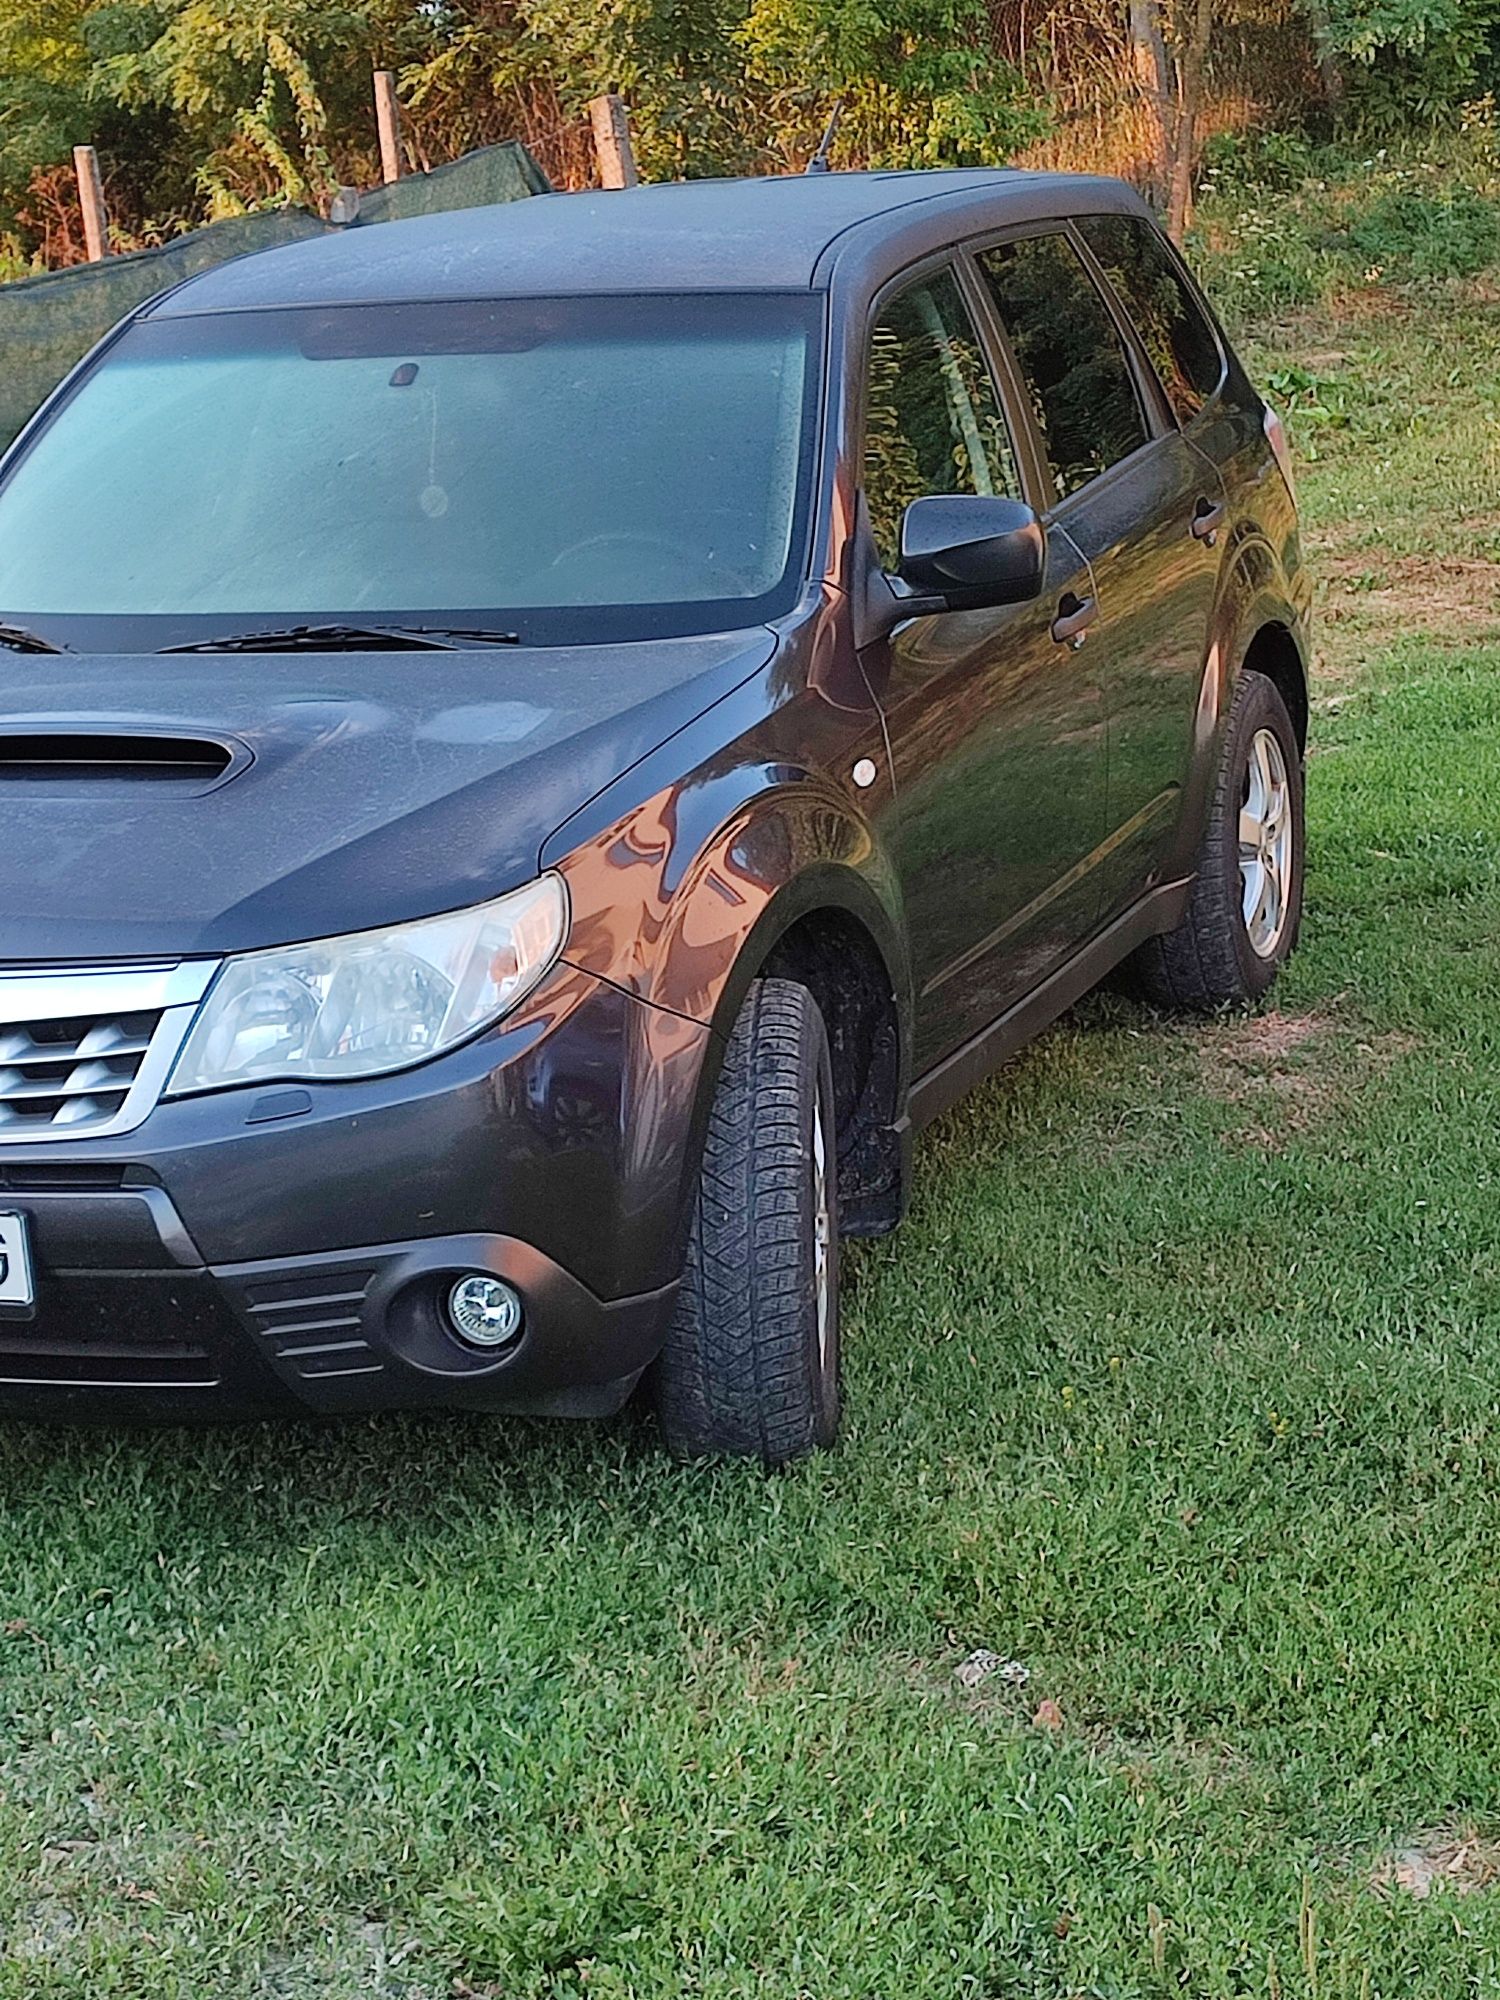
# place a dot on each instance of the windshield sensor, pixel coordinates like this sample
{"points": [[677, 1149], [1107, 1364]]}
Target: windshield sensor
{"points": [[351, 639]]}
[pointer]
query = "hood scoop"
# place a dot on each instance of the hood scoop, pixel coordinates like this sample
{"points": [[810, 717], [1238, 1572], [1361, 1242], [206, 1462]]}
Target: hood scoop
{"points": [[83, 761]]}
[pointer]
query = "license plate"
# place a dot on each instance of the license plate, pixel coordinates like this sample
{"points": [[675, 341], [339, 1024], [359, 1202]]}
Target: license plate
{"points": [[17, 1289]]}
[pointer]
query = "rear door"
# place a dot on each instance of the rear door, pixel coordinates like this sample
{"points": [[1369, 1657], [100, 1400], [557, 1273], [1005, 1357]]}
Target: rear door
{"points": [[1144, 507], [996, 728]]}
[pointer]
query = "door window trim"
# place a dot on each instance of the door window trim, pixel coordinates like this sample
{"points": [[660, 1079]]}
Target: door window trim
{"points": [[1038, 485], [1153, 396]]}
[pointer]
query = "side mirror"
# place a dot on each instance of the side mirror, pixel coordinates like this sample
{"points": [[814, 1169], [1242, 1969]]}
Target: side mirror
{"points": [[971, 550]]}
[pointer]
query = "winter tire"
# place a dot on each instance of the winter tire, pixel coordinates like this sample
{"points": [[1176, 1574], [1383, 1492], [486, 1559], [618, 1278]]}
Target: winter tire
{"points": [[751, 1364]]}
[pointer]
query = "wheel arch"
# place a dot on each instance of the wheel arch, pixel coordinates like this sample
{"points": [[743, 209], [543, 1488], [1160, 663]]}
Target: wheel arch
{"points": [[759, 873], [1261, 622], [1273, 651], [828, 949], [1255, 627], [827, 929]]}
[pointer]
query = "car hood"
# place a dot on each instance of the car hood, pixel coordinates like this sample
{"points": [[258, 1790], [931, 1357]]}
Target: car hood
{"points": [[365, 788]]}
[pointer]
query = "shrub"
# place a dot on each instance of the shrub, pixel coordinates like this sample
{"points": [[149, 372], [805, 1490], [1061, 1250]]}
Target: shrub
{"points": [[1408, 235]]}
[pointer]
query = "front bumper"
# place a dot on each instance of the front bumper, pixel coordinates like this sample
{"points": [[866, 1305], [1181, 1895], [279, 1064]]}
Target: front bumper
{"points": [[256, 1250]]}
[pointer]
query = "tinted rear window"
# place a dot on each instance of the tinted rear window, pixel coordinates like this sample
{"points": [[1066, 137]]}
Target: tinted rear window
{"points": [[1183, 348], [1070, 355]]}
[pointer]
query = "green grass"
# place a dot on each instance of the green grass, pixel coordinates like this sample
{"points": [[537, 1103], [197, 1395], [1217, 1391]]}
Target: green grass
{"points": [[1181, 1386]]}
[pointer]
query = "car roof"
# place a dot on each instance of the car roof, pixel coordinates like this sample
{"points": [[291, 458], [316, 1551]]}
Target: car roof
{"points": [[777, 233]]}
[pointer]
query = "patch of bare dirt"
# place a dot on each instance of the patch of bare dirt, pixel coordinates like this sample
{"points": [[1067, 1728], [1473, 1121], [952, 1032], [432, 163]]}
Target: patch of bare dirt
{"points": [[1326, 361], [1448, 1858], [1453, 599], [1472, 582], [1289, 1072], [1262, 1038]]}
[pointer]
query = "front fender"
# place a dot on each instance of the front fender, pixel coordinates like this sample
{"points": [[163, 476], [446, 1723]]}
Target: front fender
{"points": [[685, 871], [688, 871], [681, 901]]}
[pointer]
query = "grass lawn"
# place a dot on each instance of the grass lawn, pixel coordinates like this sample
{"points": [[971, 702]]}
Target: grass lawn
{"points": [[1181, 1387]]}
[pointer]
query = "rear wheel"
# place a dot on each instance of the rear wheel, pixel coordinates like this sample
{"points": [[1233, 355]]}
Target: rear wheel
{"points": [[1246, 907], [751, 1364]]}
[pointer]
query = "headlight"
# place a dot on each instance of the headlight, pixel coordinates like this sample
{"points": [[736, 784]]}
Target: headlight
{"points": [[380, 1000]]}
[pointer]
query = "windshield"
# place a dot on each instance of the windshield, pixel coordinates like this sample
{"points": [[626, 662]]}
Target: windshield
{"points": [[572, 469]]}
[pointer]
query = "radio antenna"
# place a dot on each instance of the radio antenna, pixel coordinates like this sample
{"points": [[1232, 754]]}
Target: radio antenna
{"points": [[818, 164]]}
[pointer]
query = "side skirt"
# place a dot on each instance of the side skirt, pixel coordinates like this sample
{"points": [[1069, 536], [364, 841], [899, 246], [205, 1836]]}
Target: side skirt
{"points": [[931, 1094]]}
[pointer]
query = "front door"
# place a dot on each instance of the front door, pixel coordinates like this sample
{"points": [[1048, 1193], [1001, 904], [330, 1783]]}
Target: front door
{"points": [[996, 727]]}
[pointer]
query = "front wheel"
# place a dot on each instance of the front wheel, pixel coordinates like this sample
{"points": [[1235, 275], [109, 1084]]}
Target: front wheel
{"points": [[1246, 906], [751, 1364]]}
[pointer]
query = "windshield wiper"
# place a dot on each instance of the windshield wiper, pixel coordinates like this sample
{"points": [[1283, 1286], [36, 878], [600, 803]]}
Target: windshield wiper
{"points": [[21, 639], [350, 639], [468, 635]]}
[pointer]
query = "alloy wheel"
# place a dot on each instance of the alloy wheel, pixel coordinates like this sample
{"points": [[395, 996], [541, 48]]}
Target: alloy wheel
{"points": [[1266, 845]]}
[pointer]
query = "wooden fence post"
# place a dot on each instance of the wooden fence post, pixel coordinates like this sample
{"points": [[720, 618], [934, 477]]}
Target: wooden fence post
{"points": [[611, 122], [91, 201], [388, 119]]}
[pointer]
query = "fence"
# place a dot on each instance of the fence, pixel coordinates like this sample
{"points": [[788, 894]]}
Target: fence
{"points": [[48, 323]]}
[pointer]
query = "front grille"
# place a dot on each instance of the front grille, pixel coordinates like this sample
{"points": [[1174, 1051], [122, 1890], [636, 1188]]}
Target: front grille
{"points": [[87, 1052], [70, 1074]]}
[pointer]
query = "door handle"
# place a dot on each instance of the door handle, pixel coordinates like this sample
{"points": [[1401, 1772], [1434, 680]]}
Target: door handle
{"points": [[1074, 615], [1208, 518]]}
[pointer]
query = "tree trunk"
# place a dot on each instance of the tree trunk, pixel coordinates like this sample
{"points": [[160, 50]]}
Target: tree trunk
{"points": [[1152, 70], [1191, 64], [1330, 68]]}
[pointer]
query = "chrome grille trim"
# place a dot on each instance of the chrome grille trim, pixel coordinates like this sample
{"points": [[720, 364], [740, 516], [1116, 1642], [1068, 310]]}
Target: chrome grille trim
{"points": [[86, 1051]]}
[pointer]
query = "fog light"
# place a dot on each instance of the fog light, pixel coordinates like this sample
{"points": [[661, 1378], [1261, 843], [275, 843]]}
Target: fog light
{"points": [[486, 1312]]}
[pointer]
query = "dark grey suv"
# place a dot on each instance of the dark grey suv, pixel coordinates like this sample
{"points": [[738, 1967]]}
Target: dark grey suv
{"points": [[539, 745]]}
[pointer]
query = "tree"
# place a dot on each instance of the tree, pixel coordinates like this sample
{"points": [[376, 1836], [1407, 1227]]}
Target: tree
{"points": [[1169, 46]]}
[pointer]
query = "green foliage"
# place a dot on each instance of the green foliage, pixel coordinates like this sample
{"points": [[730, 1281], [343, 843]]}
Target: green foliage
{"points": [[919, 83], [167, 90], [208, 107], [1451, 233], [245, 102], [675, 61], [240, 79], [1414, 60], [1311, 401], [44, 65]]}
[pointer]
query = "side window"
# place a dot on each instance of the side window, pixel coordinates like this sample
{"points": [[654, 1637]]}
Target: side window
{"points": [[1181, 343], [933, 419], [1070, 352]]}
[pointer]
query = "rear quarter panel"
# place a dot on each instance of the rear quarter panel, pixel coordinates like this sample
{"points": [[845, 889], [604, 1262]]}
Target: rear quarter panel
{"points": [[1263, 580]]}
